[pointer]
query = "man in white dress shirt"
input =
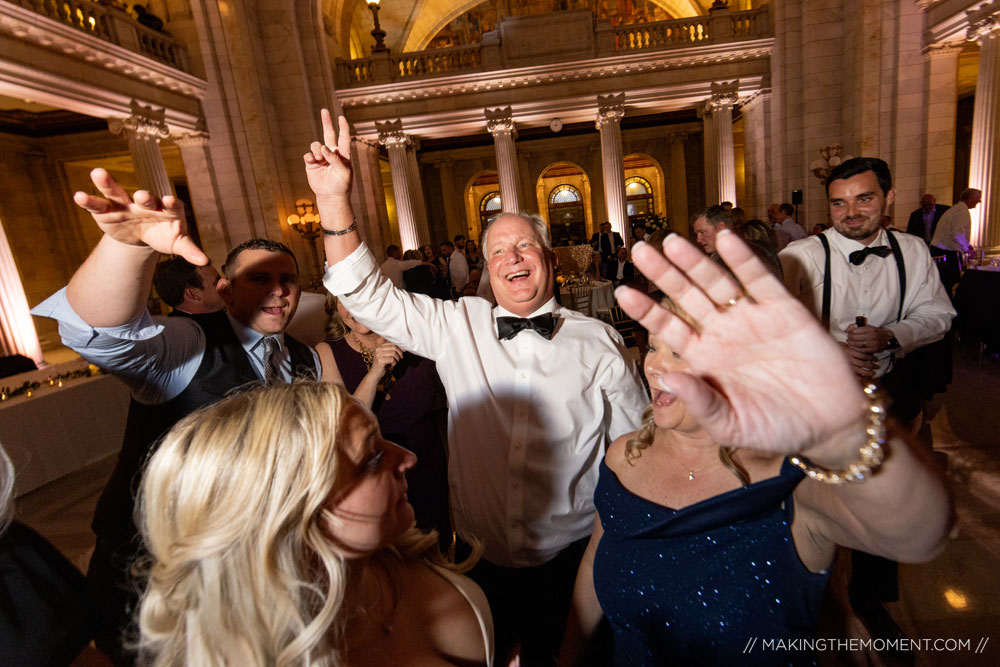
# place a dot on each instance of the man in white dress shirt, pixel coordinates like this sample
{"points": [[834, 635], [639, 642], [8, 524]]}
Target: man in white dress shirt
{"points": [[393, 266], [458, 267], [535, 391], [867, 265]]}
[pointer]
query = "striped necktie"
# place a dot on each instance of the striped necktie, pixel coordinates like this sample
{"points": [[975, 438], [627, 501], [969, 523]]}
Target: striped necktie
{"points": [[270, 372]]}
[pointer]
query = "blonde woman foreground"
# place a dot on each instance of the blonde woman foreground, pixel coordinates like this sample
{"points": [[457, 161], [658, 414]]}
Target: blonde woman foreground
{"points": [[707, 536], [280, 534]]}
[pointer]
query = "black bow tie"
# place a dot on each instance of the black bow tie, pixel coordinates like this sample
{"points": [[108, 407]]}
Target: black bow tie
{"points": [[858, 257], [508, 327]]}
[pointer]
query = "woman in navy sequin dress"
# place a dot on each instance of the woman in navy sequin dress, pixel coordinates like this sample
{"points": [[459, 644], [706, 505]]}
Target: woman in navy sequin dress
{"points": [[701, 552]]}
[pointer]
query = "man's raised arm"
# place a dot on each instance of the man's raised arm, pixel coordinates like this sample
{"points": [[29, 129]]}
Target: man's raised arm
{"points": [[328, 169], [112, 285]]}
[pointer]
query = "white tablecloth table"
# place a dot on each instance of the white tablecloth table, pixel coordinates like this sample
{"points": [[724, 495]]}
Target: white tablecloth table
{"points": [[59, 430], [602, 296]]}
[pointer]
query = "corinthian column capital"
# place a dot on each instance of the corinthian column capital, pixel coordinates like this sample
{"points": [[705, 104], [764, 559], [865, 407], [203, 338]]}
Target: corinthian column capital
{"points": [[500, 121], [984, 21], [724, 95], [144, 121], [390, 134], [610, 109]]}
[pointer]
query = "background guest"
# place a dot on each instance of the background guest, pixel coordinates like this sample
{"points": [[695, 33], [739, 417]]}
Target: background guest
{"points": [[596, 269], [763, 241], [472, 256], [279, 532], [405, 393], [186, 288]]}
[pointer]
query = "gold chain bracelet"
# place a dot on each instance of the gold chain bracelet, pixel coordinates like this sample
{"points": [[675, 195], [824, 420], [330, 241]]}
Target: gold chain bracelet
{"points": [[871, 454]]}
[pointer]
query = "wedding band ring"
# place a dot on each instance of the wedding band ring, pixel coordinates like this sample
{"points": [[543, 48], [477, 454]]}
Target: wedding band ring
{"points": [[729, 304]]}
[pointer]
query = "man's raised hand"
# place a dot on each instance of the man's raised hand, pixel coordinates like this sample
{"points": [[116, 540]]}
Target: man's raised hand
{"points": [[328, 164], [142, 220]]}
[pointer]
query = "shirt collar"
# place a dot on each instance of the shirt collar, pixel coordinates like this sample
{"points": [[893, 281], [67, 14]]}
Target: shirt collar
{"points": [[846, 246], [249, 338], [549, 306]]}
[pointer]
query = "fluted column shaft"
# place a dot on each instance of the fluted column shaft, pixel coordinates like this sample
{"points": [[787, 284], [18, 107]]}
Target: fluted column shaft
{"points": [[500, 123], [678, 183], [722, 120], [709, 155], [941, 73], [611, 110], [143, 130], [984, 166], [396, 142]]}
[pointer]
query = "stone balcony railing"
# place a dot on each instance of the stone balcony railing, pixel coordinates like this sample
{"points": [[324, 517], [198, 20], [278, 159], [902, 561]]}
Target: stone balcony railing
{"points": [[114, 25], [718, 28]]}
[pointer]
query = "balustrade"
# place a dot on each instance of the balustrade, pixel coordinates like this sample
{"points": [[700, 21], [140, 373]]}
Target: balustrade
{"points": [[674, 33], [113, 25]]}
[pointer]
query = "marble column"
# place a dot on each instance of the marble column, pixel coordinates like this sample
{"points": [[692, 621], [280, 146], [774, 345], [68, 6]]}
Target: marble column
{"points": [[143, 130], [709, 156], [368, 194], [678, 183], [941, 84], [610, 111], [757, 122], [500, 123], [454, 207], [17, 329], [205, 197], [724, 96], [391, 135], [984, 166]]}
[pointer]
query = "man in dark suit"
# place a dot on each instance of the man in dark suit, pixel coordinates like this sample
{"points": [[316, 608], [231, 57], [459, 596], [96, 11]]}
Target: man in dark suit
{"points": [[924, 220], [608, 242], [621, 271]]}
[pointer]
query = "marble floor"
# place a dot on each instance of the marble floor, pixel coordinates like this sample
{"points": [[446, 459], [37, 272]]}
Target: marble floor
{"points": [[951, 604]]}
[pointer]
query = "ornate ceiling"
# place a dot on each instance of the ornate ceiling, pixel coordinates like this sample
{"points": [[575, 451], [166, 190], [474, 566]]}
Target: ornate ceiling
{"points": [[411, 25]]}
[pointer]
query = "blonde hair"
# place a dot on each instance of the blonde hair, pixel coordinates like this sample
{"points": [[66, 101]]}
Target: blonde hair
{"points": [[233, 513], [336, 328]]}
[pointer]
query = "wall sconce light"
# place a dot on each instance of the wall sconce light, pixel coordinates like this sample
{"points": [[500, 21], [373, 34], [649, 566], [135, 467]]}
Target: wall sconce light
{"points": [[377, 33], [306, 222], [831, 158]]}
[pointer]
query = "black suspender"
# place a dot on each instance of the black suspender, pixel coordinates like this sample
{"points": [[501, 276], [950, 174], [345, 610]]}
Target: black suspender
{"points": [[897, 254]]}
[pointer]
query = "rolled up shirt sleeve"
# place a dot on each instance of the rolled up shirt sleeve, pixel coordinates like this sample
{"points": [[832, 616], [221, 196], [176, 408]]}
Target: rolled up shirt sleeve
{"points": [[155, 358]]}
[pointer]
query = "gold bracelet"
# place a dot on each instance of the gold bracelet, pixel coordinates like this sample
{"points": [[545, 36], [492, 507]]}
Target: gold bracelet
{"points": [[871, 454]]}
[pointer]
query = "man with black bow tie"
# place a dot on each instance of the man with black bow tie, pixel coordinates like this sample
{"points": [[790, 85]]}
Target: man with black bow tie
{"points": [[881, 296], [535, 392], [856, 270]]}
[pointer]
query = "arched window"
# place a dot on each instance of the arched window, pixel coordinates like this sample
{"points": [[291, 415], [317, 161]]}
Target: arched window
{"points": [[638, 198], [564, 194], [489, 207], [567, 220]]}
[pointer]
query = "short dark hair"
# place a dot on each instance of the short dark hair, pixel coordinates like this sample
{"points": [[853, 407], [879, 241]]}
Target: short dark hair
{"points": [[714, 215], [447, 244], [174, 275], [391, 250], [787, 209], [459, 237], [228, 269], [859, 165]]}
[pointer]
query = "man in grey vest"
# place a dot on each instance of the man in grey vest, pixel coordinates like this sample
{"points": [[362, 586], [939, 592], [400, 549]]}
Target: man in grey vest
{"points": [[172, 365]]}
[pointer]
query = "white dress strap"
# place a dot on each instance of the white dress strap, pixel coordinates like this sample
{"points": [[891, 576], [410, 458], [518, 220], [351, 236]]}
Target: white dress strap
{"points": [[477, 600]]}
